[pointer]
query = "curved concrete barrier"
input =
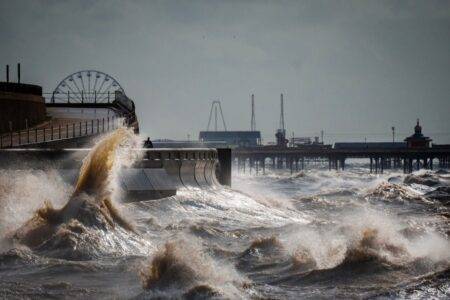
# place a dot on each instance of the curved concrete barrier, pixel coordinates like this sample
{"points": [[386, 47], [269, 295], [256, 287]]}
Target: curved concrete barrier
{"points": [[162, 183], [187, 173], [210, 173], [200, 173], [214, 169], [172, 168], [159, 174]]}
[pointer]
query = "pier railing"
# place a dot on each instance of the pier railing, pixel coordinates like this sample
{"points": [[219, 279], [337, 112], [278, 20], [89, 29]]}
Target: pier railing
{"points": [[33, 136]]}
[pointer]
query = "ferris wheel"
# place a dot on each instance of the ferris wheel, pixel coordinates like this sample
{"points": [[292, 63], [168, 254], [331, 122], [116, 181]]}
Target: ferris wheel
{"points": [[87, 86]]}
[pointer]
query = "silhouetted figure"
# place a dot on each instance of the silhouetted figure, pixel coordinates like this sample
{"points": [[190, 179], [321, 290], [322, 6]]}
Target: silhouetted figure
{"points": [[148, 143]]}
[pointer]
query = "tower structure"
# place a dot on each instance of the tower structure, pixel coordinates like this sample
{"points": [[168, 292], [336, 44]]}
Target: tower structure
{"points": [[281, 132], [216, 107], [281, 127], [253, 121], [418, 140]]}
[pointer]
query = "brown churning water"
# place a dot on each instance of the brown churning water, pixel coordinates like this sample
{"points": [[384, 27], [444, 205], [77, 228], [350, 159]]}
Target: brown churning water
{"points": [[94, 188]]}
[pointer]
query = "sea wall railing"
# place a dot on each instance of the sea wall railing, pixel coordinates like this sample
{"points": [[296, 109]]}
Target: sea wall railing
{"points": [[63, 131], [81, 97]]}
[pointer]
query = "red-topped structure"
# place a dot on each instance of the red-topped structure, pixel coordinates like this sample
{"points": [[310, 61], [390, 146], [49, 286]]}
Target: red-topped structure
{"points": [[418, 140]]}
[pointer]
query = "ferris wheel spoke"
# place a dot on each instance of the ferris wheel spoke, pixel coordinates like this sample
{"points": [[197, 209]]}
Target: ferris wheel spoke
{"points": [[104, 92], [79, 90], [80, 76], [93, 90], [107, 90], [89, 86], [101, 86], [97, 76], [76, 95], [96, 80], [63, 88]]}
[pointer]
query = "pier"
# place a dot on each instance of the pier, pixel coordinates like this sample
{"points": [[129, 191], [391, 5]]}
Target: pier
{"points": [[415, 153], [295, 159]]}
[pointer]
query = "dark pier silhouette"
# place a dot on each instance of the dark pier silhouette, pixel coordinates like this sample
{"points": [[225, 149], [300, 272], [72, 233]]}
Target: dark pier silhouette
{"points": [[258, 158], [414, 154]]}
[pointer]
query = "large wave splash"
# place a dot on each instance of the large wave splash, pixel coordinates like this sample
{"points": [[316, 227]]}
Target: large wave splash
{"points": [[366, 221], [181, 268], [71, 230], [363, 236]]}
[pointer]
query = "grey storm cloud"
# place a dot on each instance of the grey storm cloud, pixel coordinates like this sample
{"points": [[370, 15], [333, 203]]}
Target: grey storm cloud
{"points": [[351, 68]]}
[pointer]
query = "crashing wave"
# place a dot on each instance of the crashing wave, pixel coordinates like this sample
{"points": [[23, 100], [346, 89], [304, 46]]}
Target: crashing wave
{"points": [[371, 246], [391, 191], [183, 266], [427, 179], [264, 247], [303, 259], [90, 210], [368, 249], [442, 194]]}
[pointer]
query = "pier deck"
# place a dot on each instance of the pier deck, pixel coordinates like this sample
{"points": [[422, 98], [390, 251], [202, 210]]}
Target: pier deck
{"points": [[380, 159]]}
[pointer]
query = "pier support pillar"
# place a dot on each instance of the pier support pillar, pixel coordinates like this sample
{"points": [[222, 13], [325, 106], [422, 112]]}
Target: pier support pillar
{"points": [[279, 162], [263, 165], [224, 156]]}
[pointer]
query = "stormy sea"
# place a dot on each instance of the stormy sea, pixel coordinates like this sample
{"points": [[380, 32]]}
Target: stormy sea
{"points": [[310, 234]]}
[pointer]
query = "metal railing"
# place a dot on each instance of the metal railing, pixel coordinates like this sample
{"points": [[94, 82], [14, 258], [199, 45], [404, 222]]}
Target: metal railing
{"points": [[81, 97], [32, 136]]}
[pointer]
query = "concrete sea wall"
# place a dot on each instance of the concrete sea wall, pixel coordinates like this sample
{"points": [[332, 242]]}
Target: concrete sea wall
{"points": [[159, 174]]}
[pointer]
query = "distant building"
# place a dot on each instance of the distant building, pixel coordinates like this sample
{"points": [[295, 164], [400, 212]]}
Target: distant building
{"points": [[301, 140], [166, 143], [307, 140], [418, 140], [232, 138]]}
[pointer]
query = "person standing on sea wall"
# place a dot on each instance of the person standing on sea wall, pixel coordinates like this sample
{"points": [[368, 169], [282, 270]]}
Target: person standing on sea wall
{"points": [[148, 143]]}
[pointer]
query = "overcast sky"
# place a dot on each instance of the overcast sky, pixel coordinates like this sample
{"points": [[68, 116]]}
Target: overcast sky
{"points": [[351, 68]]}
